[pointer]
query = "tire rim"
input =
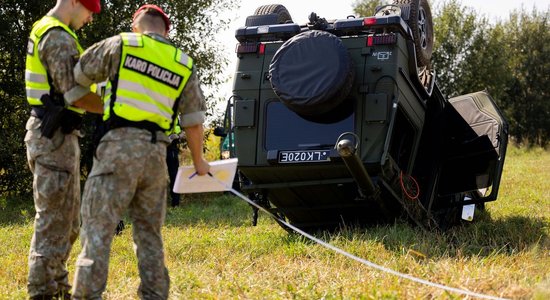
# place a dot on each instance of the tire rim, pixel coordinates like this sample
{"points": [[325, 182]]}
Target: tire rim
{"points": [[422, 24]]}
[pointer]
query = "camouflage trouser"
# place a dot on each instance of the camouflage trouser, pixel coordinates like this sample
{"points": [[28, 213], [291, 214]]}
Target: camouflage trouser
{"points": [[129, 173], [55, 164]]}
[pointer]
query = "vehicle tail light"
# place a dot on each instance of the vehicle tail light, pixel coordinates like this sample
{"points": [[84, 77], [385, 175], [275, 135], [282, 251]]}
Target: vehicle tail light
{"points": [[250, 47], [381, 39], [369, 21]]}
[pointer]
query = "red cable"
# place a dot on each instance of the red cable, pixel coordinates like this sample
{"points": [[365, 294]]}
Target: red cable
{"points": [[415, 197]]}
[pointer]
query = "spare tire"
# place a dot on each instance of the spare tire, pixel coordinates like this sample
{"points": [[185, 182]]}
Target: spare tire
{"points": [[312, 73], [283, 16]]}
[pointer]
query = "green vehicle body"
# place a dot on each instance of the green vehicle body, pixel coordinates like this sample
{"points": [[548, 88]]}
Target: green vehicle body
{"points": [[410, 151]]}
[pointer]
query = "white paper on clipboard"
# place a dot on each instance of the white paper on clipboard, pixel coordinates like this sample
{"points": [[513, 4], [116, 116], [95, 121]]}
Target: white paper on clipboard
{"points": [[223, 172]]}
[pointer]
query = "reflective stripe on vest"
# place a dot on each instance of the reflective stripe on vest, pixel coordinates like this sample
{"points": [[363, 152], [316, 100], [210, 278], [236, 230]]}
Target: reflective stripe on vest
{"points": [[36, 76], [152, 76]]}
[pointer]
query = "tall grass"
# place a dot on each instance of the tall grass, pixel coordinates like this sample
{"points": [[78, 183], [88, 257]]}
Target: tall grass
{"points": [[213, 252]]}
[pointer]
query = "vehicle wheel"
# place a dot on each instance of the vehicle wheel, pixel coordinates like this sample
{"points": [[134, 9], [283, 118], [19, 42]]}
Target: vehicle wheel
{"points": [[283, 16], [312, 73], [419, 18]]}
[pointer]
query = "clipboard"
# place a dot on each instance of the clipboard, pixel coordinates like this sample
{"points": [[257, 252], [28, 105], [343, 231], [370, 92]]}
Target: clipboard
{"points": [[222, 173]]}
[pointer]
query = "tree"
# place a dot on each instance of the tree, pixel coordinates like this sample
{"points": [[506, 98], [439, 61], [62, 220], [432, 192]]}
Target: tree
{"points": [[456, 31], [16, 20], [193, 20], [526, 103]]}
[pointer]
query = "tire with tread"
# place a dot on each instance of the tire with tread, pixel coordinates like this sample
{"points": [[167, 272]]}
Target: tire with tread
{"points": [[421, 24], [283, 16]]}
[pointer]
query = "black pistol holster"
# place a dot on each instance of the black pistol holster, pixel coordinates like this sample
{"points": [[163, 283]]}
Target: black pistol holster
{"points": [[57, 116]]}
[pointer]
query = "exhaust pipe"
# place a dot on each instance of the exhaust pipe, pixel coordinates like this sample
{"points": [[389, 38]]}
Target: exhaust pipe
{"points": [[346, 149]]}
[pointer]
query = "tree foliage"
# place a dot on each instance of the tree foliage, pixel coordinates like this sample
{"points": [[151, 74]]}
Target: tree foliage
{"points": [[367, 7], [194, 25], [526, 102], [15, 22]]}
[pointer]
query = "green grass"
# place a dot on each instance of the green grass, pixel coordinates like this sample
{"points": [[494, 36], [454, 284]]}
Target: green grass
{"points": [[212, 251]]}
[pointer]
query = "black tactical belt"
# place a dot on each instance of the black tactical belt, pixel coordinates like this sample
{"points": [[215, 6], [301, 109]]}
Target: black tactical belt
{"points": [[117, 122]]}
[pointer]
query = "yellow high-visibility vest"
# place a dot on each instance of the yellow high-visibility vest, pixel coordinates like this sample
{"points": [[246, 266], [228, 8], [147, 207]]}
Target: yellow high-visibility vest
{"points": [[151, 78], [36, 76]]}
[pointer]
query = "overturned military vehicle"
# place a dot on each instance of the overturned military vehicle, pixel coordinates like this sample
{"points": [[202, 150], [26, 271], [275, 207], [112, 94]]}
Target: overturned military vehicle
{"points": [[342, 122]]}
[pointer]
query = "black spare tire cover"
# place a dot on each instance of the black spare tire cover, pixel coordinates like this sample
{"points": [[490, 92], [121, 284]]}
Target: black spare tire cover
{"points": [[312, 73]]}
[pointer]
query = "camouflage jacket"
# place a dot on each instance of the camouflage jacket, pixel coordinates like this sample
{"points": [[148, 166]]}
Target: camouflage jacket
{"points": [[102, 60], [58, 53]]}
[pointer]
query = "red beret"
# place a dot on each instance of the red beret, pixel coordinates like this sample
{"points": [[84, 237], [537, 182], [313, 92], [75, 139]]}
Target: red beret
{"points": [[92, 5], [156, 8]]}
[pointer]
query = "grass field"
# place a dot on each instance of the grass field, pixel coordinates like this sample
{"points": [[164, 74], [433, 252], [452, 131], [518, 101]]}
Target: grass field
{"points": [[213, 252]]}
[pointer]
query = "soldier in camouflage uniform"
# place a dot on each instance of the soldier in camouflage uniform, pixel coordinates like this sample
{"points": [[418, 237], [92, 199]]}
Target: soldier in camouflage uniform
{"points": [[55, 161], [152, 81]]}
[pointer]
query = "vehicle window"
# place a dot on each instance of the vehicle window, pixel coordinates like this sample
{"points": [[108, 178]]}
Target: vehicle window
{"points": [[287, 130]]}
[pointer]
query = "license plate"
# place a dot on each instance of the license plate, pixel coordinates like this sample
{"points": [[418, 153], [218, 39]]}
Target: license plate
{"points": [[305, 156]]}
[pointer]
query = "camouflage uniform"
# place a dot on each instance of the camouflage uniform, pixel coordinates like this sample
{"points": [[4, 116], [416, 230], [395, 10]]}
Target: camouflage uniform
{"points": [[55, 164], [129, 173]]}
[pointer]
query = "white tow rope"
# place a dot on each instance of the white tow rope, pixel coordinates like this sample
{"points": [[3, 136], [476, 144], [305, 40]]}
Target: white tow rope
{"points": [[361, 260]]}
